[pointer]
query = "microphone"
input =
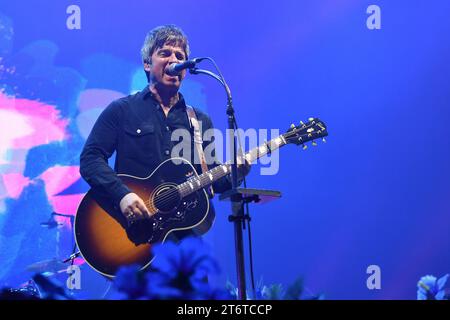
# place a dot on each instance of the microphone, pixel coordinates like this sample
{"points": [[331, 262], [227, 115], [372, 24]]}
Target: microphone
{"points": [[175, 68]]}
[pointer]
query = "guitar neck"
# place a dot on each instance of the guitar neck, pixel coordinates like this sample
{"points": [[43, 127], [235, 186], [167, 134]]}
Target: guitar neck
{"points": [[205, 179]]}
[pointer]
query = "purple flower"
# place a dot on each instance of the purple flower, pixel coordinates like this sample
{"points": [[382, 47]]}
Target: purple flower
{"points": [[430, 288]]}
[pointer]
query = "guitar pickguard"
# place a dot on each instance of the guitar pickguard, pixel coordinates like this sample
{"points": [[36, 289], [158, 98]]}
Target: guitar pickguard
{"points": [[163, 221]]}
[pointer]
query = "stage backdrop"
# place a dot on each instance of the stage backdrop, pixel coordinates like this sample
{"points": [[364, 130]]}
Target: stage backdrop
{"points": [[377, 193]]}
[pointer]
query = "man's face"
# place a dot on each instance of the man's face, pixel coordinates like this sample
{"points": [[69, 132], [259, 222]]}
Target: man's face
{"points": [[160, 60]]}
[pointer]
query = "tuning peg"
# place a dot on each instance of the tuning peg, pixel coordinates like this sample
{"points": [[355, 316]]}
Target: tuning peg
{"points": [[292, 126], [305, 147], [314, 143], [310, 119], [323, 140], [302, 123]]}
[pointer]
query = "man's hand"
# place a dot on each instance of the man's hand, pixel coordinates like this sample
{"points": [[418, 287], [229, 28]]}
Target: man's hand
{"points": [[133, 207], [243, 168]]}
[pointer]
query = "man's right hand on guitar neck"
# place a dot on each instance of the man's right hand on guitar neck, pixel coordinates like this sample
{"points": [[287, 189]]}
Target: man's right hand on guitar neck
{"points": [[133, 208]]}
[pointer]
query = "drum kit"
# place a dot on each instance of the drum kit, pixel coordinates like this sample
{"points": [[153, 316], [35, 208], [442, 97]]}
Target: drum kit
{"points": [[54, 278]]}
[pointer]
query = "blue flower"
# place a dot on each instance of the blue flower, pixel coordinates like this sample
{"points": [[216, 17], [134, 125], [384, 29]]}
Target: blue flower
{"points": [[192, 256], [430, 288], [181, 271], [130, 282], [162, 286]]}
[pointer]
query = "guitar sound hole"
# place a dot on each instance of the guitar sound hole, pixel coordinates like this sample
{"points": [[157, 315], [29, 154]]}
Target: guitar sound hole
{"points": [[166, 197]]}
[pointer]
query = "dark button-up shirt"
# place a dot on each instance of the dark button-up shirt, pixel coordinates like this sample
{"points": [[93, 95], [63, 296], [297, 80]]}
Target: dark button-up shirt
{"points": [[138, 130]]}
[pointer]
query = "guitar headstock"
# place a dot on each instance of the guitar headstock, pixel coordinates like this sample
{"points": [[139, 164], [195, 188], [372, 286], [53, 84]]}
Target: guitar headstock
{"points": [[305, 132]]}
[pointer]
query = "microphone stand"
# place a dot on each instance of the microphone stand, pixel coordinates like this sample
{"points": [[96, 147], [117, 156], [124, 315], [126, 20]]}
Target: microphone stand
{"points": [[238, 217], [75, 253], [238, 196]]}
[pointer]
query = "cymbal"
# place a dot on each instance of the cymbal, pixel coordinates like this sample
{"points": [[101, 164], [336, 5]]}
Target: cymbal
{"points": [[51, 265]]}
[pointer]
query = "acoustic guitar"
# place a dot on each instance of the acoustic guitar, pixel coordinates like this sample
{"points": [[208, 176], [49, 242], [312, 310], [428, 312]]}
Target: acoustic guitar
{"points": [[176, 199]]}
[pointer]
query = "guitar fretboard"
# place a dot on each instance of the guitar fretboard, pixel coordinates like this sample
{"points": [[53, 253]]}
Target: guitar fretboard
{"points": [[205, 179]]}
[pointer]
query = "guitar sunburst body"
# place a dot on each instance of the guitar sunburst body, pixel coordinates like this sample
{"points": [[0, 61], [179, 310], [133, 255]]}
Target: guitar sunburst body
{"points": [[106, 241]]}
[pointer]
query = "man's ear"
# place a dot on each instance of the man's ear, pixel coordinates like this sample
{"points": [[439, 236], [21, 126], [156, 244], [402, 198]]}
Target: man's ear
{"points": [[147, 65]]}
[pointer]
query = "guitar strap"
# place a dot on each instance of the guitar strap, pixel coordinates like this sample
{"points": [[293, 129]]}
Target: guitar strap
{"points": [[198, 142]]}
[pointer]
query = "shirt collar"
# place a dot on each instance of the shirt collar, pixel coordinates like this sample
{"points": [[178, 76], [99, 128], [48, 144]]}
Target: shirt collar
{"points": [[147, 94]]}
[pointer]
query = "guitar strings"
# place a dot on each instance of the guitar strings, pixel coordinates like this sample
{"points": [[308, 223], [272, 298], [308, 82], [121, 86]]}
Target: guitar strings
{"points": [[171, 192], [164, 199], [167, 197]]}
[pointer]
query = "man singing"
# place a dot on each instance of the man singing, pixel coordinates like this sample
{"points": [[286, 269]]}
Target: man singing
{"points": [[139, 127]]}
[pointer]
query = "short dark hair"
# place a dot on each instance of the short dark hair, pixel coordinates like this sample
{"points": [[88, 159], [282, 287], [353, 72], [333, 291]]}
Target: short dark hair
{"points": [[159, 36]]}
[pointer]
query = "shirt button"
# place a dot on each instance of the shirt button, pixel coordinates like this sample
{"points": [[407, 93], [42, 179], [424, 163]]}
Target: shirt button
{"points": [[138, 130], [167, 152]]}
